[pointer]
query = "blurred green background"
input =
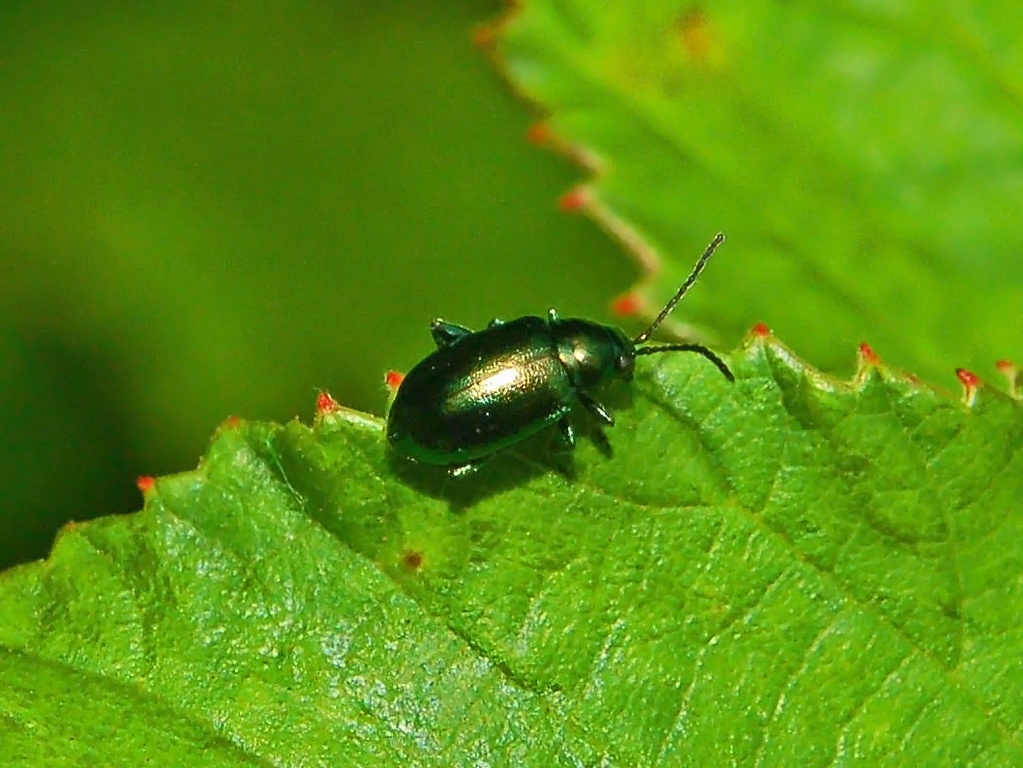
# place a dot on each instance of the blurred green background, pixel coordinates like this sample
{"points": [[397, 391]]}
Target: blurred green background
{"points": [[214, 209]]}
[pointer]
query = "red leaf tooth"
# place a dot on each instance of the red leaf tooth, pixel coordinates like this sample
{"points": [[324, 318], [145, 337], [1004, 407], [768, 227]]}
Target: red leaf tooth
{"points": [[393, 380], [1012, 373], [484, 36], [867, 355], [326, 404], [968, 378], [574, 200], [760, 330], [145, 483], [970, 383], [627, 305], [538, 133]]}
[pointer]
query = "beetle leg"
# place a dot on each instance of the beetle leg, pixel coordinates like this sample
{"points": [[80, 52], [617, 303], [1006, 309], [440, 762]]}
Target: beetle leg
{"points": [[552, 315], [602, 443], [445, 334], [567, 432], [599, 411]]}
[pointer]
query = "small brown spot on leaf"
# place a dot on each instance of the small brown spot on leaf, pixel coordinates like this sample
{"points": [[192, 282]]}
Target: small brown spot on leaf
{"points": [[412, 559]]}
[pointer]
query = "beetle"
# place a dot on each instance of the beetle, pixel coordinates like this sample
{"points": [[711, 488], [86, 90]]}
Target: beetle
{"points": [[482, 391]]}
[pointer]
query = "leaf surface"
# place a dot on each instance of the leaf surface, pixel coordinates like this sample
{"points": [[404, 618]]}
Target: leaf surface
{"points": [[787, 569]]}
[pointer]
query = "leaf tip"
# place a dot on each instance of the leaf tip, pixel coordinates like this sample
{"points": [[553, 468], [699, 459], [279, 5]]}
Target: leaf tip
{"points": [[867, 357], [329, 410], [574, 200], [627, 305], [1011, 372], [484, 37], [231, 422], [760, 331], [539, 134], [325, 404], [970, 382], [392, 380]]}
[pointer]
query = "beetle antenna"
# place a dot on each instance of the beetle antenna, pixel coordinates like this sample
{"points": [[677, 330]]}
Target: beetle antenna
{"points": [[698, 348], [708, 252]]}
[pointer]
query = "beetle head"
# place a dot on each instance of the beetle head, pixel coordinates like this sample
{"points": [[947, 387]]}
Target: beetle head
{"points": [[593, 353]]}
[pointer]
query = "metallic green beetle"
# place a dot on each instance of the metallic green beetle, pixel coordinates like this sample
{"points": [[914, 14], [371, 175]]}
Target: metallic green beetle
{"points": [[482, 391]]}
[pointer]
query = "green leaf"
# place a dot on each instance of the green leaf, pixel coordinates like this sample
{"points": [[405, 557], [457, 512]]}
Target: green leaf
{"points": [[864, 158], [790, 570], [787, 570]]}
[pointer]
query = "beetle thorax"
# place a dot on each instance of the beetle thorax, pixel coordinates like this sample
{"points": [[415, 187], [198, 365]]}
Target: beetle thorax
{"points": [[592, 353]]}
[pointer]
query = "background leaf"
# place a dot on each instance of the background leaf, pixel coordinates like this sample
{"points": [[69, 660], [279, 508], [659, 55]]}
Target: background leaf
{"points": [[821, 594], [865, 159]]}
